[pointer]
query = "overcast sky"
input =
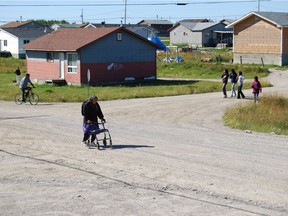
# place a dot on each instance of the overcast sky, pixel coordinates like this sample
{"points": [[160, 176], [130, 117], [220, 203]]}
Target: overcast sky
{"points": [[113, 11]]}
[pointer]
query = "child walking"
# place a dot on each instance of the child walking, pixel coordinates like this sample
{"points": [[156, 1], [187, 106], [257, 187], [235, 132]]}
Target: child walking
{"points": [[256, 88]]}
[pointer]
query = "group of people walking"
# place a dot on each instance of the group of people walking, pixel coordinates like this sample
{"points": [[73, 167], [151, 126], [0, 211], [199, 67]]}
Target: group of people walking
{"points": [[239, 79]]}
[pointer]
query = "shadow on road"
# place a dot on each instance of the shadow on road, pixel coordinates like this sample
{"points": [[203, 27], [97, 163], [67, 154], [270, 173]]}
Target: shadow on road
{"points": [[22, 117], [130, 146]]}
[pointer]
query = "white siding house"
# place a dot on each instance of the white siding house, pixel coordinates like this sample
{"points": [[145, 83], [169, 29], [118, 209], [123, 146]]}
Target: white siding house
{"points": [[12, 40], [198, 33], [14, 35], [9, 43]]}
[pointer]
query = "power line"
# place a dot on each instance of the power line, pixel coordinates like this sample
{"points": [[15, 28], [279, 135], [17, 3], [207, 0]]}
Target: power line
{"points": [[123, 4]]}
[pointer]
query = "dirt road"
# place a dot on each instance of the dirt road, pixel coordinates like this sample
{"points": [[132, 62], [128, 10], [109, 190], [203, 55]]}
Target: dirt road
{"points": [[171, 156]]}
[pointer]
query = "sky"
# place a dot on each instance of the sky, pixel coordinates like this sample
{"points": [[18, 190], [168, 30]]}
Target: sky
{"points": [[133, 11]]}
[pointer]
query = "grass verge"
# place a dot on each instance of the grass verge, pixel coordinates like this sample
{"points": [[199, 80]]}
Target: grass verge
{"points": [[269, 115]]}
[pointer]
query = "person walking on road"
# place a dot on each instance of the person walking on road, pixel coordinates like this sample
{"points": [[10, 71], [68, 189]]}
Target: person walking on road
{"points": [[91, 111], [256, 88], [233, 79], [240, 85], [224, 78]]}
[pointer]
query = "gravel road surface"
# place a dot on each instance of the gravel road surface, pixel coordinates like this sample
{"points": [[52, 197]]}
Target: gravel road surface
{"points": [[170, 156]]}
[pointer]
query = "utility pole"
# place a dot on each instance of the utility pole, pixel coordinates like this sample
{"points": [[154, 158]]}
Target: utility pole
{"points": [[82, 19], [125, 11], [258, 5]]}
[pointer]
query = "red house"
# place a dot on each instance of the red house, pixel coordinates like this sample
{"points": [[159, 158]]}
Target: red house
{"points": [[110, 54]]}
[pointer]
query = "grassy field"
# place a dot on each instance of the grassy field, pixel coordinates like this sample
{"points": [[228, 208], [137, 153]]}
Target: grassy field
{"points": [[269, 115], [190, 68]]}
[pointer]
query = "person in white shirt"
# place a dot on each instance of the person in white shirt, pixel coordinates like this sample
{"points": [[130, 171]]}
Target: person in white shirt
{"points": [[240, 85]]}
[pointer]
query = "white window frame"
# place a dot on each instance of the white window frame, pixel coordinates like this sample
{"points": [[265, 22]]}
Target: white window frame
{"points": [[119, 36], [72, 68], [5, 43]]}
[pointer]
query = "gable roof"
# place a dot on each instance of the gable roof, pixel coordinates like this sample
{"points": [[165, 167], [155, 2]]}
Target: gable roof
{"points": [[156, 22], [69, 25], [18, 24], [73, 39], [194, 20], [15, 24], [280, 19], [195, 26], [27, 33]]}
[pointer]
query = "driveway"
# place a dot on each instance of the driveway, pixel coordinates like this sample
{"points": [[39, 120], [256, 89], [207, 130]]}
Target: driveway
{"points": [[170, 156]]}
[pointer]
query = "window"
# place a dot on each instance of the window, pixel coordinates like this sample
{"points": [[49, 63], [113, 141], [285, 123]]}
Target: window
{"points": [[119, 36], [49, 57], [26, 41], [72, 62], [5, 43]]}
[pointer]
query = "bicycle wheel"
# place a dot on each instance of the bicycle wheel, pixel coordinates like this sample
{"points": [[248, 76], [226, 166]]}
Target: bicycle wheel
{"points": [[33, 99], [18, 99]]}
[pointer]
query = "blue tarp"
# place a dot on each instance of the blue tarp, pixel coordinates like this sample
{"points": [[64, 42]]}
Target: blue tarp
{"points": [[157, 41]]}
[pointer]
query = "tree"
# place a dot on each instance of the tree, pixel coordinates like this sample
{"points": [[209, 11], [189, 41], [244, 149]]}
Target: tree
{"points": [[51, 22]]}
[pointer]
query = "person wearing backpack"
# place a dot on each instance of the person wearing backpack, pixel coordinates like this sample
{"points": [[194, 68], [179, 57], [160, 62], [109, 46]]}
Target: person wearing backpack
{"points": [[91, 111]]}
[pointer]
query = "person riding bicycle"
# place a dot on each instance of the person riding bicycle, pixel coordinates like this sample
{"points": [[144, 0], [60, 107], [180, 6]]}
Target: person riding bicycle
{"points": [[91, 113], [23, 85]]}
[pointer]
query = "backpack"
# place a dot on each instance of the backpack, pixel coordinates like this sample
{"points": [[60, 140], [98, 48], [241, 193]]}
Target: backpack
{"points": [[83, 107]]}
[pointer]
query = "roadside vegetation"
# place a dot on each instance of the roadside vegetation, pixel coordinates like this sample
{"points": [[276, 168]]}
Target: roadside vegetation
{"points": [[188, 73], [269, 115]]}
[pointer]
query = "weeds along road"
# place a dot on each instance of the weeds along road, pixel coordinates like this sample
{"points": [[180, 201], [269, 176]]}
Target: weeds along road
{"points": [[171, 156]]}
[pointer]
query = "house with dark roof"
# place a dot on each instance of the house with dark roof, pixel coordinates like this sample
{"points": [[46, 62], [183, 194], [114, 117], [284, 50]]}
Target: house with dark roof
{"points": [[58, 26], [91, 55], [142, 30], [261, 38], [14, 35], [22, 24], [200, 34], [160, 26], [12, 40]]}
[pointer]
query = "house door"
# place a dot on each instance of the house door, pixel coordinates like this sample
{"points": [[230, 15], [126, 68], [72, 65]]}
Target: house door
{"points": [[61, 65]]}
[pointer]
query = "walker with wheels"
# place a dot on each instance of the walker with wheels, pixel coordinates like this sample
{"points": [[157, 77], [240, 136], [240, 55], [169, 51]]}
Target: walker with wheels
{"points": [[101, 134]]}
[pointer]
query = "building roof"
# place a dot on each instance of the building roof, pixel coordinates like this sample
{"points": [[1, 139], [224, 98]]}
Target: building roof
{"points": [[195, 26], [57, 26], [194, 20], [73, 39], [27, 32], [15, 24], [280, 19], [156, 22]]}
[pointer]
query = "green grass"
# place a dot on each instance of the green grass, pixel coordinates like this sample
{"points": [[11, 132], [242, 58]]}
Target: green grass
{"points": [[11, 64], [269, 115], [159, 88], [190, 68]]}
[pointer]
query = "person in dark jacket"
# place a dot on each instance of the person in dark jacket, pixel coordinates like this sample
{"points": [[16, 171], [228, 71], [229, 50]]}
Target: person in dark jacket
{"points": [[92, 112], [18, 73], [233, 78], [224, 78]]}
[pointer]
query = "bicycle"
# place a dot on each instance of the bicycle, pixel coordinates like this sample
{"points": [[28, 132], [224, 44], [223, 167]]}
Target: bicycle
{"points": [[32, 97]]}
